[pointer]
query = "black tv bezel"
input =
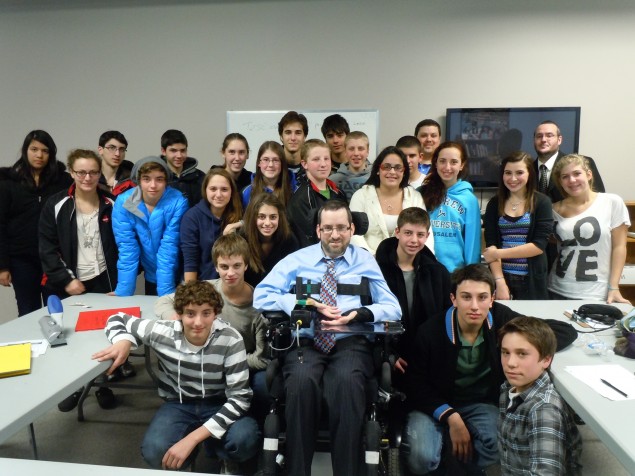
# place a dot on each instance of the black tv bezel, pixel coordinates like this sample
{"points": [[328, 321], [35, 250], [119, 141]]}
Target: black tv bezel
{"points": [[546, 113]]}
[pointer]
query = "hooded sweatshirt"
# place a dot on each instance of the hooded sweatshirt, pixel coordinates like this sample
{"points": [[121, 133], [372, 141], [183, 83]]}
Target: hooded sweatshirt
{"points": [[218, 370], [456, 225], [350, 182]]}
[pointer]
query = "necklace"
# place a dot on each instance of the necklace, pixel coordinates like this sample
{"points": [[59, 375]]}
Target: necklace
{"points": [[515, 205], [387, 201], [88, 237]]}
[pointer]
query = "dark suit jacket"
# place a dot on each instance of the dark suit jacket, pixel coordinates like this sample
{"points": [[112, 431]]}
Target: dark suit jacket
{"points": [[553, 192]]}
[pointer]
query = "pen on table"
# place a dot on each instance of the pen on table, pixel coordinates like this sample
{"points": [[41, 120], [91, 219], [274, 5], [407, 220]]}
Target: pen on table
{"points": [[613, 387]]}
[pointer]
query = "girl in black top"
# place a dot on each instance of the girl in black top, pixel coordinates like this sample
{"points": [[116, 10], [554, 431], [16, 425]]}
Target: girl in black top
{"points": [[517, 224], [268, 235], [24, 188]]}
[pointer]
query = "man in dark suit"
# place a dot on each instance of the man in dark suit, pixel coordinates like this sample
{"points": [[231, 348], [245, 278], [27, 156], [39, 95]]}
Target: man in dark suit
{"points": [[547, 140]]}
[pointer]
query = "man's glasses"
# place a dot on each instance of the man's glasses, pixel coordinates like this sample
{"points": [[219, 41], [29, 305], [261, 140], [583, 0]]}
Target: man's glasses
{"points": [[114, 148], [387, 167], [82, 173], [328, 229]]}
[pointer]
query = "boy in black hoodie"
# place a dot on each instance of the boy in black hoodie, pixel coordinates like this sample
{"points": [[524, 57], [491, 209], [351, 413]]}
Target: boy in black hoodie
{"points": [[420, 282]]}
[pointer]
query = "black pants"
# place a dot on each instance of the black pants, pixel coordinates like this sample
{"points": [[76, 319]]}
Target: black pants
{"points": [[340, 380], [26, 278]]}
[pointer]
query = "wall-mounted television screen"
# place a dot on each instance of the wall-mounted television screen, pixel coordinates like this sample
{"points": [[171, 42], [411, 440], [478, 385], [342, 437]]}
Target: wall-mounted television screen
{"points": [[489, 134]]}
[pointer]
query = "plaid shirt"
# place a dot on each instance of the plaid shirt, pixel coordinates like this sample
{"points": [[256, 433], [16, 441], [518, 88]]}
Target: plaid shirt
{"points": [[536, 434]]}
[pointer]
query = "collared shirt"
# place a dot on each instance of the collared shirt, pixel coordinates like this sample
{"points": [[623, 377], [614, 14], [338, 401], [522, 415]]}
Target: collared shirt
{"points": [[473, 371], [549, 164], [273, 293], [536, 433]]}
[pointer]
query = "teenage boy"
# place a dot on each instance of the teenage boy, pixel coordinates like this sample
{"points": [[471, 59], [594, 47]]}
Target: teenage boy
{"points": [[311, 195], [428, 132], [335, 129], [185, 176], [196, 409], [230, 255], [536, 432], [115, 169], [146, 221], [352, 175], [293, 129], [455, 377], [420, 282], [411, 147]]}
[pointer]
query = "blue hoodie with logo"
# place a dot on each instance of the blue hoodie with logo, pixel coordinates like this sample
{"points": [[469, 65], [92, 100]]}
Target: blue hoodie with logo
{"points": [[456, 225]]}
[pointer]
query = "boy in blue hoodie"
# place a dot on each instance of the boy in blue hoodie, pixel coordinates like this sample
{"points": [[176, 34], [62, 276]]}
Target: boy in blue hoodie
{"points": [[146, 221]]}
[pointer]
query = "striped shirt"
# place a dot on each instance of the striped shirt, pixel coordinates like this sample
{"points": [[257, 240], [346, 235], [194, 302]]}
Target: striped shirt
{"points": [[513, 231], [216, 371], [536, 433]]}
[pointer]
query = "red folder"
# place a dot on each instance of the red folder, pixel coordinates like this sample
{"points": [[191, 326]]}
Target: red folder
{"points": [[92, 320]]}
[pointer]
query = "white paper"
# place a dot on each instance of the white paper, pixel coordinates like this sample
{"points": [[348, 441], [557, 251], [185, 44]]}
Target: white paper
{"points": [[38, 346], [616, 375]]}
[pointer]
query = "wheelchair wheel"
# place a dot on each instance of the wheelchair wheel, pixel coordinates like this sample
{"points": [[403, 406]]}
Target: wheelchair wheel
{"points": [[393, 463]]}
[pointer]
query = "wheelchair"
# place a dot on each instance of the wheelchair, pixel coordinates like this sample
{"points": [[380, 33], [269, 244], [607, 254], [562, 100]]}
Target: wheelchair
{"points": [[385, 409]]}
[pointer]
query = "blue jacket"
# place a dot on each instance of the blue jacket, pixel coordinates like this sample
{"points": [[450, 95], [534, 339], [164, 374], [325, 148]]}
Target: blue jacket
{"points": [[199, 231], [456, 225], [152, 239]]}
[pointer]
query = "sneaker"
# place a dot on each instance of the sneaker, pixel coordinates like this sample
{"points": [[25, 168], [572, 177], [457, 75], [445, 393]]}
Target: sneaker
{"points": [[115, 376], [229, 467], [69, 403], [106, 398], [127, 369]]}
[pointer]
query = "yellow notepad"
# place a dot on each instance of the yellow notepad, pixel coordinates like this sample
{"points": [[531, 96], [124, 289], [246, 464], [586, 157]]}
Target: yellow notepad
{"points": [[15, 360]]}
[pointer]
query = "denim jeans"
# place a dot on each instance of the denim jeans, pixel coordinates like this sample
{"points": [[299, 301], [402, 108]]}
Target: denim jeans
{"points": [[261, 401], [174, 420], [425, 438]]}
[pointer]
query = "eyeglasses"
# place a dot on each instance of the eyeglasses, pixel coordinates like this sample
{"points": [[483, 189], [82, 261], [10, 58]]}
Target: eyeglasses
{"points": [[549, 135], [387, 167], [114, 148], [82, 173], [328, 229], [267, 160]]}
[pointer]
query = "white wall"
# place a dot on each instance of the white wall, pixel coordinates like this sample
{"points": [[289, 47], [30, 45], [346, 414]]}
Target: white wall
{"points": [[86, 67]]}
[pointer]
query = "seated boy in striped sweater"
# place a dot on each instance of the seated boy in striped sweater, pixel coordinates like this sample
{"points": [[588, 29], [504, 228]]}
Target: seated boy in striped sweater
{"points": [[203, 378]]}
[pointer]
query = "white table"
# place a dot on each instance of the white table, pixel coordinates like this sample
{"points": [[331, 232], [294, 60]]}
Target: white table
{"points": [[612, 421], [62, 370], [29, 467]]}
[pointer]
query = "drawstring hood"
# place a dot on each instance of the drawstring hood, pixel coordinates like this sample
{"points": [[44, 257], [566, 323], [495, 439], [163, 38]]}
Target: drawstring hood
{"points": [[183, 346]]}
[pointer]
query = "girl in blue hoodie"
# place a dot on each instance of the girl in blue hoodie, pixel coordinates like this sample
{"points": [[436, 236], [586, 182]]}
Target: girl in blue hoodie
{"points": [[454, 211]]}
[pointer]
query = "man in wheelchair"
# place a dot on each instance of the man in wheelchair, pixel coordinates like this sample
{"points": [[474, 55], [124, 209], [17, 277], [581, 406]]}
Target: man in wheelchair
{"points": [[324, 366]]}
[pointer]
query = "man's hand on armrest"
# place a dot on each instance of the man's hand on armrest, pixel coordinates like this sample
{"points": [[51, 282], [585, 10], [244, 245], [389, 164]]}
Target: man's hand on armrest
{"points": [[118, 352]]}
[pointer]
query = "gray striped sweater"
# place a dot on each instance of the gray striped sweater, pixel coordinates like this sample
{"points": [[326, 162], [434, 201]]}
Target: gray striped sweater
{"points": [[217, 371]]}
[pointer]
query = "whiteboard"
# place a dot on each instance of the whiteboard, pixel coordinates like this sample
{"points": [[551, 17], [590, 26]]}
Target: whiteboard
{"points": [[261, 126]]}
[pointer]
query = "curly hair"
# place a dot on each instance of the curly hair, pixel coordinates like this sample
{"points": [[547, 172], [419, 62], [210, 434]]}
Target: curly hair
{"points": [[197, 293]]}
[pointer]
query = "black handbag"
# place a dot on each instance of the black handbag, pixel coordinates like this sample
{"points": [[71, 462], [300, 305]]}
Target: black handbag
{"points": [[604, 313]]}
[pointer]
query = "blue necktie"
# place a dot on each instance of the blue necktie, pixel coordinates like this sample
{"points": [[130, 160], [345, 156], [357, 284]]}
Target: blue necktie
{"points": [[328, 293]]}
